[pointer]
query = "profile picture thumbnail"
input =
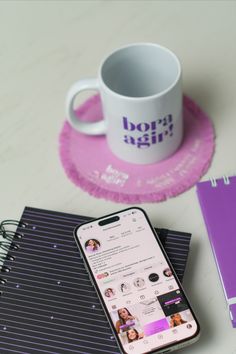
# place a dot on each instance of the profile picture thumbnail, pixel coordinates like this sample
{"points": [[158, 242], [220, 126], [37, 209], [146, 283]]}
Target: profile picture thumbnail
{"points": [[153, 277], [125, 287], [167, 272], [139, 282], [109, 292], [92, 245]]}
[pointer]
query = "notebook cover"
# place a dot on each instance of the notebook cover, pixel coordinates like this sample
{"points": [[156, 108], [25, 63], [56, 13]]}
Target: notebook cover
{"points": [[48, 304], [218, 204]]}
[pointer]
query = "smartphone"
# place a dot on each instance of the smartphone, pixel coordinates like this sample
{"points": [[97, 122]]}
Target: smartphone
{"points": [[137, 286]]}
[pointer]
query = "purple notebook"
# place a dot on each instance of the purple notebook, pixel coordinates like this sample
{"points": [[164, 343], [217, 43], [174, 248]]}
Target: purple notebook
{"points": [[48, 304], [218, 203]]}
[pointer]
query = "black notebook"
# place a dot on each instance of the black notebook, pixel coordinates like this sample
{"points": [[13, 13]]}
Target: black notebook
{"points": [[47, 303]]}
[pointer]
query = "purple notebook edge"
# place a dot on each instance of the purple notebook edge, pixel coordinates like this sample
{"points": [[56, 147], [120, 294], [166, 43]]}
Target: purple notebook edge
{"points": [[215, 203]]}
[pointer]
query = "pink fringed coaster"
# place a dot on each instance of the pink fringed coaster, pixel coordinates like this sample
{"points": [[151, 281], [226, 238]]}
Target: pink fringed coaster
{"points": [[89, 163]]}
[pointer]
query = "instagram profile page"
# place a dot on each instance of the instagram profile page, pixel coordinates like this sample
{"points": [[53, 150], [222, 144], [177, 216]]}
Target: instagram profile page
{"points": [[147, 308]]}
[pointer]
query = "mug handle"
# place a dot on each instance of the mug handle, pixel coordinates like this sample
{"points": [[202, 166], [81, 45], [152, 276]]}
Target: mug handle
{"points": [[93, 128]]}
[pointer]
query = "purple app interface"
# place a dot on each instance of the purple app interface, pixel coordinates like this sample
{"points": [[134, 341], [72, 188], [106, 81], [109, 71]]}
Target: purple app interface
{"points": [[145, 303]]}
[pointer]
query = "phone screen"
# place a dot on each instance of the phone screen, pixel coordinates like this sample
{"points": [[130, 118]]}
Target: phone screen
{"points": [[138, 288]]}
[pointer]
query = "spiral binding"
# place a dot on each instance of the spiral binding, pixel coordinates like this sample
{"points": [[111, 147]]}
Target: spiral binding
{"points": [[7, 244], [226, 180]]}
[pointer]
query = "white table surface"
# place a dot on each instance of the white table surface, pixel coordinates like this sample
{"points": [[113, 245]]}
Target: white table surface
{"points": [[46, 46]]}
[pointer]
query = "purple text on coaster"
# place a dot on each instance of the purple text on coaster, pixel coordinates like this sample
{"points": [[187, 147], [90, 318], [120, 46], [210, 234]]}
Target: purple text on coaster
{"points": [[89, 163]]}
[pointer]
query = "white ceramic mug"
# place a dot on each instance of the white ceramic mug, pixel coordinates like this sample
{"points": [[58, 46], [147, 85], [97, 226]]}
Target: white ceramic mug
{"points": [[141, 94]]}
